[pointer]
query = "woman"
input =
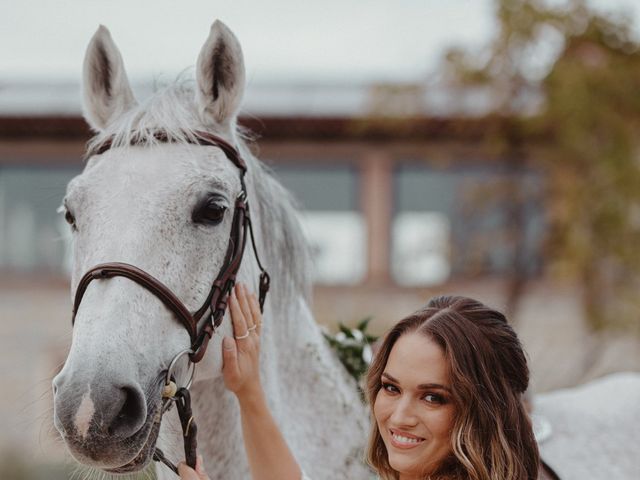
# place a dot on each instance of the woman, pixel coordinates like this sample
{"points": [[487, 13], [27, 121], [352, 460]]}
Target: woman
{"points": [[445, 389]]}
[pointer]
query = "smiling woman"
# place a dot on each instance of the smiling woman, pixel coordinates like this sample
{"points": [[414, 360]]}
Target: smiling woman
{"points": [[446, 389], [413, 408]]}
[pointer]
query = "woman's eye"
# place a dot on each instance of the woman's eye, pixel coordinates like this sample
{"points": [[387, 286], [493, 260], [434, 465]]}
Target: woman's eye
{"points": [[434, 398], [390, 388], [209, 212]]}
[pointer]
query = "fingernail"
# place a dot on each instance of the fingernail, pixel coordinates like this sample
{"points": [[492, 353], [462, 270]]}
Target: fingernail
{"points": [[227, 343]]}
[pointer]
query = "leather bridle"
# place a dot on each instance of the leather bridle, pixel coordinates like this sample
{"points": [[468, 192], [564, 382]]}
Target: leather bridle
{"points": [[215, 304]]}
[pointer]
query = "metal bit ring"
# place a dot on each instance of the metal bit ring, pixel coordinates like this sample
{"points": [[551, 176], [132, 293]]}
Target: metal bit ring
{"points": [[172, 366]]}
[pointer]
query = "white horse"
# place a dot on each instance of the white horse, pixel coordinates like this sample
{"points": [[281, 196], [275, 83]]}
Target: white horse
{"points": [[595, 429], [135, 204]]}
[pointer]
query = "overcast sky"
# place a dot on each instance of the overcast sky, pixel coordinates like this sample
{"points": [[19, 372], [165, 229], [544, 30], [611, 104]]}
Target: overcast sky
{"points": [[290, 40]]}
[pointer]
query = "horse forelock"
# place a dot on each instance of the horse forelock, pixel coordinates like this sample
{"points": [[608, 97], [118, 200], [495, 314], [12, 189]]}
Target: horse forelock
{"points": [[171, 108]]}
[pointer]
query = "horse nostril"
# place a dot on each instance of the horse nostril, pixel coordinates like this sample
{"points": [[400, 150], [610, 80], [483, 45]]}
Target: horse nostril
{"points": [[56, 382], [131, 415]]}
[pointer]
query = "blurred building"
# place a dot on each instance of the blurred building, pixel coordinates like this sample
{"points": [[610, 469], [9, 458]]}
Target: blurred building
{"points": [[402, 197], [395, 191]]}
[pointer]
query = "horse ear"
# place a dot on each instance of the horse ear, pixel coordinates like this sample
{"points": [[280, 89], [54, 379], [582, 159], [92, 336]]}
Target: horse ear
{"points": [[106, 90], [220, 76]]}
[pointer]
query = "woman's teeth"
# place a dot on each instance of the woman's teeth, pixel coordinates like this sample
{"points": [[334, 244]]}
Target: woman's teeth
{"points": [[401, 439]]}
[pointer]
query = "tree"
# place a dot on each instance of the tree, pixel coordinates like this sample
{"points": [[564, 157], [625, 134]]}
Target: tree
{"points": [[586, 103], [593, 105]]}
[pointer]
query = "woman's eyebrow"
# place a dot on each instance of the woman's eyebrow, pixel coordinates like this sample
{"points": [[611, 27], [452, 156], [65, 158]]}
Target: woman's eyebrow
{"points": [[422, 386], [385, 374], [433, 386]]}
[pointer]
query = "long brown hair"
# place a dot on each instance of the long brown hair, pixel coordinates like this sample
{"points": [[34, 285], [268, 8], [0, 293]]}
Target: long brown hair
{"points": [[492, 437]]}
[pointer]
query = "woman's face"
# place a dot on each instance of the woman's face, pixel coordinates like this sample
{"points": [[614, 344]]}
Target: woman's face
{"points": [[414, 409]]}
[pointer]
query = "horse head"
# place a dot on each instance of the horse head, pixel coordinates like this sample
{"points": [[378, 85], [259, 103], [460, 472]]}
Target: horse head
{"points": [[167, 208]]}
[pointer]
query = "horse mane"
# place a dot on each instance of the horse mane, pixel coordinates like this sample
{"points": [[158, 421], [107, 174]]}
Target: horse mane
{"points": [[173, 110], [288, 251]]}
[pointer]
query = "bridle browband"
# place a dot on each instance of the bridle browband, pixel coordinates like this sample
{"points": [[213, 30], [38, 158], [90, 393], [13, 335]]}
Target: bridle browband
{"points": [[216, 302]]}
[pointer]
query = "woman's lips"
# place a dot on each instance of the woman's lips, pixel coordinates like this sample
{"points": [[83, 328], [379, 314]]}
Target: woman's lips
{"points": [[404, 440]]}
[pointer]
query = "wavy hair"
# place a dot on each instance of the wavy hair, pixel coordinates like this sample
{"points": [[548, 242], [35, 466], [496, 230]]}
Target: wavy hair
{"points": [[492, 437]]}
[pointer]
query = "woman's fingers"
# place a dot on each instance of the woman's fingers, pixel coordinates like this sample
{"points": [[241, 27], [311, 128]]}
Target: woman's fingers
{"points": [[243, 300], [237, 318], [230, 367], [250, 308], [254, 307], [240, 356]]}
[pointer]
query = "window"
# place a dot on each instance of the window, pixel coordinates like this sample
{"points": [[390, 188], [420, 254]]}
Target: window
{"points": [[33, 236], [330, 218], [463, 220]]}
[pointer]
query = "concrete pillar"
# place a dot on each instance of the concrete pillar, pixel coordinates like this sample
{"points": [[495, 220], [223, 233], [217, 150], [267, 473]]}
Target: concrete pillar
{"points": [[376, 200]]}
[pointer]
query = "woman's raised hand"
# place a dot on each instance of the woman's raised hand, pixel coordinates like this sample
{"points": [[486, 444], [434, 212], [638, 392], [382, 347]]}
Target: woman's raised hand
{"points": [[240, 355], [267, 451]]}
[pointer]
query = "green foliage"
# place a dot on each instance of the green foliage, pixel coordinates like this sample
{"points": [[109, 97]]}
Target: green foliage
{"points": [[588, 112], [353, 346], [593, 104]]}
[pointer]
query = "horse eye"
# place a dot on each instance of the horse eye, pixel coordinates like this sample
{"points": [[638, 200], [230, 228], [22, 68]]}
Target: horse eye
{"points": [[209, 212], [71, 220]]}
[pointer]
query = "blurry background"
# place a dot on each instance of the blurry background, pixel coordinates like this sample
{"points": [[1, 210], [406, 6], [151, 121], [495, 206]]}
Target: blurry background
{"points": [[478, 147]]}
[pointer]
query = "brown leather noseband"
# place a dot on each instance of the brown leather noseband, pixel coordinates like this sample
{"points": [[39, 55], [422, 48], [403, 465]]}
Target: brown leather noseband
{"points": [[216, 302]]}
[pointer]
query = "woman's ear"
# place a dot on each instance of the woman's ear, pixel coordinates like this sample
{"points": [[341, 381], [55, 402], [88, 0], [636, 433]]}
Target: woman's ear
{"points": [[106, 90], [220, 77]]}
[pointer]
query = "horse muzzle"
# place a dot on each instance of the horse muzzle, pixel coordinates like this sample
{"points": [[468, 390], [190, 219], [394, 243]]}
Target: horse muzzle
{"points": [[105, 425]]}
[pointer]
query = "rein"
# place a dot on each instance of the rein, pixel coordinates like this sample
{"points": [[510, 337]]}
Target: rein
{"points": [[214, 305]]}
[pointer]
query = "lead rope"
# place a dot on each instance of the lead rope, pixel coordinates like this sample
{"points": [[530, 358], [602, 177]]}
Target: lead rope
{"points": [[182, 399], [189, 427]]}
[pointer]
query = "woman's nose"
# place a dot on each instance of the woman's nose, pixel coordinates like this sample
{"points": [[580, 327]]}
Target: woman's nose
{"points": [[404, 412]]}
